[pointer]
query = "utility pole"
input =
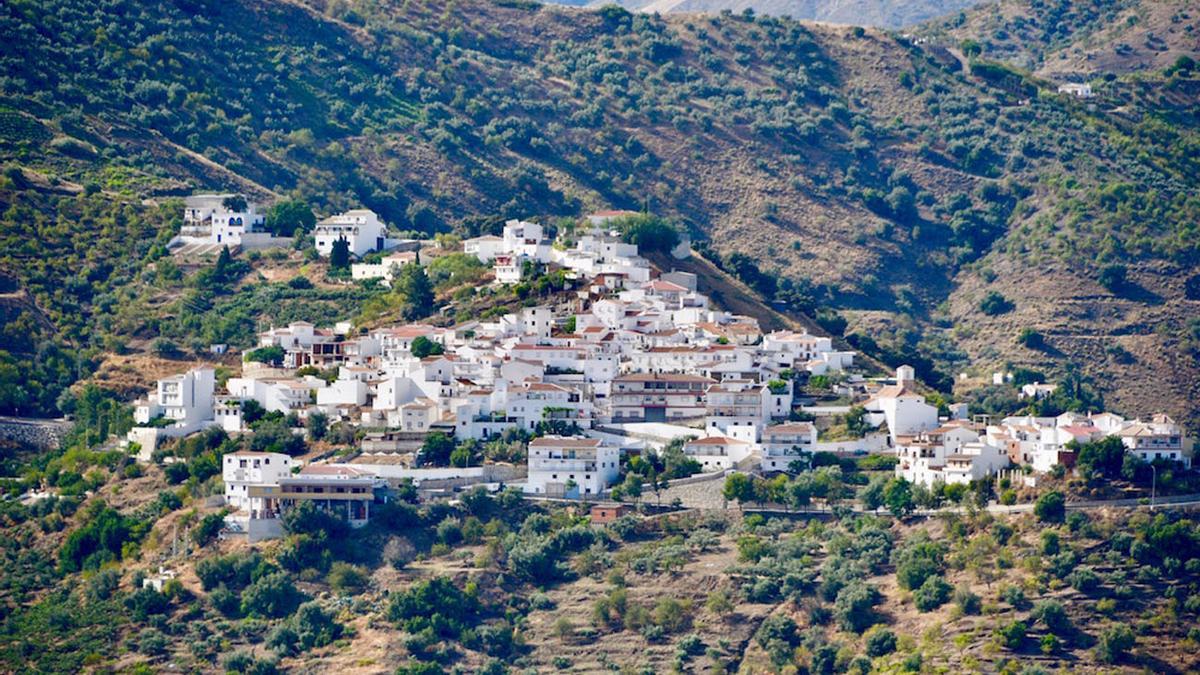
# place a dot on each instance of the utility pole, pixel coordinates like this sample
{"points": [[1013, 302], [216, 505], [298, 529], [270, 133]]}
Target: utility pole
{"points": [[1153, 484]]}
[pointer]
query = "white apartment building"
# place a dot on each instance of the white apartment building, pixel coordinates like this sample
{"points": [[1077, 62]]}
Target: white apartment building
{"points": [[1159, 439], [185, 400], [783, 444], [240, 470], [658, 397], [739, 403], [361, 228], [973, 461], [571, 467]]}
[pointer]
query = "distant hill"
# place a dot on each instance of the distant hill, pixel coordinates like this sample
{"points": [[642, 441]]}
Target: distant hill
{"points": [[936, 203], [1080, 39], [880, 13]]}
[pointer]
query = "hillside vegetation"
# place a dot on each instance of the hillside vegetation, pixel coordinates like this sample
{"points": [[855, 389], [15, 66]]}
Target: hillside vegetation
{"points": [[882, 13], [886, 185]]}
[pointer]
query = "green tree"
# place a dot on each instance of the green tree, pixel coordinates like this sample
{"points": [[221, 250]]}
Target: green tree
{"points": [[272, 596], [1050, 507], [339, 256], [994, 304], [1115, 642], [1113, 277], [1101, 459], [1011, 634], [739, 488], [423, 346], [317, 425], [855, 605], [413, 285], [286, 216], [632, 486], [235, 203], [898, 496], [880, 642], [871, 495], [932, 594], [436, 449]]}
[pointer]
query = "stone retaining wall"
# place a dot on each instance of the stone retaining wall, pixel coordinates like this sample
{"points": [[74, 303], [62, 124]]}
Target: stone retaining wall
{"points": [[46, 434]]}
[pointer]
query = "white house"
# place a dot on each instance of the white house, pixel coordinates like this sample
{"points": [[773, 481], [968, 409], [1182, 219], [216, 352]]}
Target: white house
{"points": [[206, 217], [485, 248], [526, 239], [185, 399], [509, 268], [360, 227], [1076, 90], [904, 410], [1160, 438], [974, 461], [1036, 390], [571, 467], [179, 405], [783, 444], [387, 268], [343, 491], [242, 469], [922, 457], [718, 452]]}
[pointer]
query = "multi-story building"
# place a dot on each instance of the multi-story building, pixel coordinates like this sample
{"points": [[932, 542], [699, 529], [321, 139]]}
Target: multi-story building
{"points": [[783, 444], [571, 467], [718, 452], [737, 403], [183, 400], [658, 397], [219, 219], [361, 228], [242, 469], [1159, 439]]}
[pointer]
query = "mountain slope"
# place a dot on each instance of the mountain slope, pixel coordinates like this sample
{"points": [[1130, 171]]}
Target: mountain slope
{"points": [[881, 13], [1080, 39], [898, 183]]}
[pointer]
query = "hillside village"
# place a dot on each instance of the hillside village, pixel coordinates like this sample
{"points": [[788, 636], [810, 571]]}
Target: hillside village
{"points": [[634, 361], [503, 336]]}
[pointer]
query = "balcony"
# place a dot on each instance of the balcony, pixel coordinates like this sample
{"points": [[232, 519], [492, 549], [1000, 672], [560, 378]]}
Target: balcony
{"points": [[576, 465]]}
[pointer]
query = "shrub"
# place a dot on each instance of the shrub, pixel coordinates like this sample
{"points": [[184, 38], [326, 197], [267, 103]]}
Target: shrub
{"points": [[1113, 277], [1084, 580], [1014, 596], [968, 602], [346, 578], [434, 603], [1053, 616], [1030, 338], [1011, 635], [994, 304], [932, 594], [854, 606], [880, 642], [1114, 643], [271, 596], [1050, 507], [917, 560], [208, 528]]}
